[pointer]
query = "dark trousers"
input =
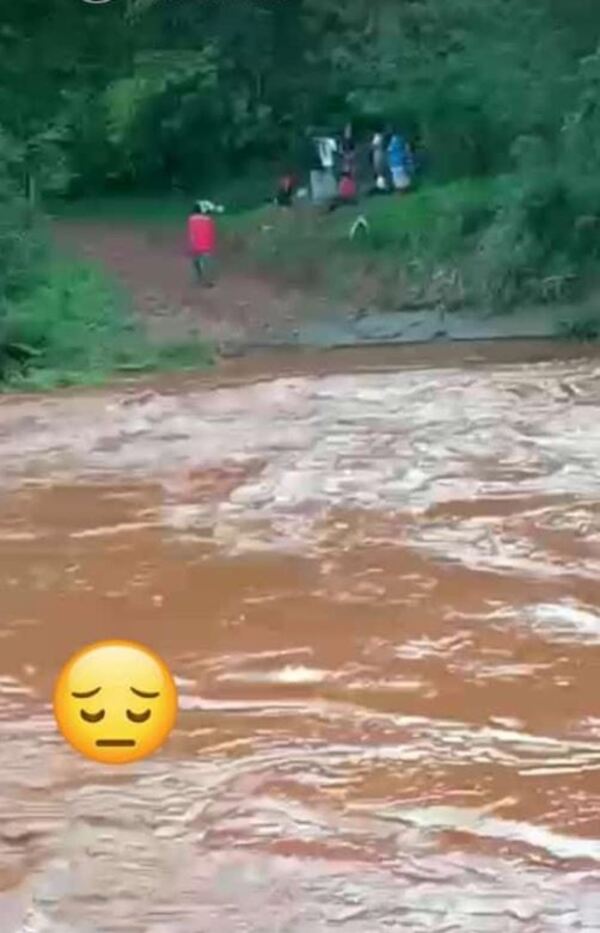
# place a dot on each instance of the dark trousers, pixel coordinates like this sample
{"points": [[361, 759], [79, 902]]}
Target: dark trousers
{"points": [[203, 267]]}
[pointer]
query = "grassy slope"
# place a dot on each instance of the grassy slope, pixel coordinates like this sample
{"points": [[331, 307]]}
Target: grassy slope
{"points": [[402, 221], [75, 328], [421, 250], [413, 253], [416, 251]]}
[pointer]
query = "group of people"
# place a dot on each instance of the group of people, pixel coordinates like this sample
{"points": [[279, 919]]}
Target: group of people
{"points": [[392, 162], [337, 168]]}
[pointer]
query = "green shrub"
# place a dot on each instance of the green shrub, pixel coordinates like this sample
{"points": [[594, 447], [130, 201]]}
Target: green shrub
{"points": [[585, 328], [74, 319], [75, 328], [21, 240]]}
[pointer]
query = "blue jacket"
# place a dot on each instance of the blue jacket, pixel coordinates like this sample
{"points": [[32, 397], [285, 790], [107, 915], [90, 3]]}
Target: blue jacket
{"points": [[398, 153]]}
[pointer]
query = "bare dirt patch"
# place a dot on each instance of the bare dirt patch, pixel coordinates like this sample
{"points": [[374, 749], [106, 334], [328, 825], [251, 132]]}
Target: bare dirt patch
{"points": [[155, 270]]}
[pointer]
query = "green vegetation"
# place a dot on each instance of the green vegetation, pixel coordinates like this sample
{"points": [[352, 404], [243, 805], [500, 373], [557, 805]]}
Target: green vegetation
{"points": [[63, 323], [418, 251], [415, 251], [146, 99], [73, 328]]}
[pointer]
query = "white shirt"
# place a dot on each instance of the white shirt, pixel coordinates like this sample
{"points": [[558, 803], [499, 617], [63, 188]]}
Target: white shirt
{"points": [[327, 149]]}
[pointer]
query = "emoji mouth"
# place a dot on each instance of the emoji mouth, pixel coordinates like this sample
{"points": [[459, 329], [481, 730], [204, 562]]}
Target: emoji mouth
{"points": [[115, 743]]}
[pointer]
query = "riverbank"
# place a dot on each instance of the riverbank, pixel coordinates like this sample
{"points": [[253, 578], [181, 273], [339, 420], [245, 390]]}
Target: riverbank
{"points": [[386, 254], [299, 278]]}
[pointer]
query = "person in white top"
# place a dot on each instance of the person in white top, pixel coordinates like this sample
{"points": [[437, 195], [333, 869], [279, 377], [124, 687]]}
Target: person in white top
{"points": [[325, 188], [327, 150]]}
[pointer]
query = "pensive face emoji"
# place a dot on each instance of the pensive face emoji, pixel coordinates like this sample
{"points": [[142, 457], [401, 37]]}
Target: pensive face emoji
{"points": [[115, 702]]}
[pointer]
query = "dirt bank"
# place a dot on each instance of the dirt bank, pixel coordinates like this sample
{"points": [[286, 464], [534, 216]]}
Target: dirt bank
{"points": [[247, 310], [154, 268]]}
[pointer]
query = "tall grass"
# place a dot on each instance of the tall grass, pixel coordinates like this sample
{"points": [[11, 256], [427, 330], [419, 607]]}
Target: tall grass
{"points": [[75, 328], [414, 251]]}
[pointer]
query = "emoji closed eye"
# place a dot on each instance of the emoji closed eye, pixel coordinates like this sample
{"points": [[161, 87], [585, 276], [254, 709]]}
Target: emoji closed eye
{"points": [[92, 717], [139, 717]]}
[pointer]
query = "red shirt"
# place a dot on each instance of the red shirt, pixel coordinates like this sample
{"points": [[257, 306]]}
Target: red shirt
{"points": [[347, 189], [202, 233]]}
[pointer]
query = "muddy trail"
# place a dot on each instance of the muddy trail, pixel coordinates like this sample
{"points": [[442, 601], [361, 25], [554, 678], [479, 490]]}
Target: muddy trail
{"points": [[376, 583], [153, 266], [248, 311]]}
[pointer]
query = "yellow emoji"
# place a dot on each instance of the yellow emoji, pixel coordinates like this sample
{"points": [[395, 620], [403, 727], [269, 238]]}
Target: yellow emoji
{"points": [[115, 702]]}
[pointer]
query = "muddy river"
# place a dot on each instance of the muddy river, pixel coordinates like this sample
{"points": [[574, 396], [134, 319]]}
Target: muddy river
{"points": [[377, 585]]}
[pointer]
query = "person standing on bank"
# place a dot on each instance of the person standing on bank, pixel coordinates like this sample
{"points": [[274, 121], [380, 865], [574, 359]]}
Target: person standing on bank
{"points": [[327, 148], [202, 242], [312, 164], [286, 188], [398, 158], [378, 162], [348, 148]]}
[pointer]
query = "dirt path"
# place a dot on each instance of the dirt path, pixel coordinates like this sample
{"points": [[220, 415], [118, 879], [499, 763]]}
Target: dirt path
{"points": [[155, 270], [245, 309]]}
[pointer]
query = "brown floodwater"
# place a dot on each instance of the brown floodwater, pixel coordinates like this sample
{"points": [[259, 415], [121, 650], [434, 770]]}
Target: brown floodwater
{"points": [[375, 577]]}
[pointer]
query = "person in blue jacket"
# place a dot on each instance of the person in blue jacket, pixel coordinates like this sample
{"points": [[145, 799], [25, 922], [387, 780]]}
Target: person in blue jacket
{"points": [[399, 162]]}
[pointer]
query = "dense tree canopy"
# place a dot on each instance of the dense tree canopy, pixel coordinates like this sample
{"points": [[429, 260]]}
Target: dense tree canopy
{"points": [[155, 93], [140, 95]]}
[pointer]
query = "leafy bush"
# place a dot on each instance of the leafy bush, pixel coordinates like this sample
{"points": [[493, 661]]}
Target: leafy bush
{"points": [[585, 329], [21, 241], [72, 322], [544, 242], [74, 327]]}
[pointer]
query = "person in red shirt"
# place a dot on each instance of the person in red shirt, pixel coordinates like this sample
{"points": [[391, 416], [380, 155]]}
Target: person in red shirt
{"points": [[285, 190], [346, 192], [202, 241], [347, 189]]}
